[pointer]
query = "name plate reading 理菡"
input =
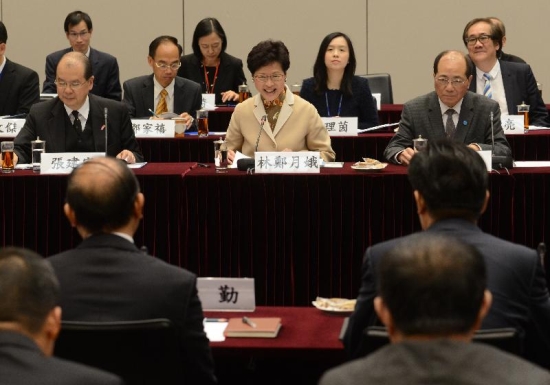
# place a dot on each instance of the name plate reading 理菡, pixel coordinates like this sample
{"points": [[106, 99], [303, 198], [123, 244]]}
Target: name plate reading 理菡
{"points": [[154, 128], [9, 128], [228, 294], [512, 124], [208, 102], [64, 162], [298, 162], [341, 126]]}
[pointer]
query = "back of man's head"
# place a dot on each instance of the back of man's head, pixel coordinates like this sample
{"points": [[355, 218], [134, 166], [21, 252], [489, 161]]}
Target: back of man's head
{"points": [[102, 193], [29, 289], [451, 178], [432, 285]]}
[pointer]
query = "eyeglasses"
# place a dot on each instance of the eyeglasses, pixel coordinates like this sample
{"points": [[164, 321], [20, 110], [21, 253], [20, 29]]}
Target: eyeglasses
{"points": [[274, 78], [71, 85], [164, 66], [75, 35], [473, 40], [454, 82]]}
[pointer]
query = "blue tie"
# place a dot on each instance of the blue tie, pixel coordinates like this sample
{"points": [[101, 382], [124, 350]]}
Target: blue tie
{"points": [[487, 90]]}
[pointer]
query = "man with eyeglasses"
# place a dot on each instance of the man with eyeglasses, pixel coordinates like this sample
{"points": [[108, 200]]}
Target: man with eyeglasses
{"points": [[510, 84], [451, 111], [78, 29], [163, 91], [75, 120]]}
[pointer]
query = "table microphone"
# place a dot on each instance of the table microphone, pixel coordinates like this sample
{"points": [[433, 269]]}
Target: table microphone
{"points": [[105, 113], [498, 161], [246, 164]]}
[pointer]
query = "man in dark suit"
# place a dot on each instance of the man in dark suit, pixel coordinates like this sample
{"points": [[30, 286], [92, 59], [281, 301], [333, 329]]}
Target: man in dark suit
{"points": [[432, 298], [30, 320], [510, 84], [78, 29], [145, 93], [451, 111], [450, 185], [107, 278], [75, 120], [18, 84]]}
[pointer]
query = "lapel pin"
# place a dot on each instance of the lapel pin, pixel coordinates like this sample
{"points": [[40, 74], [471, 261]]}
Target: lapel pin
{"points": [[464, 122]]}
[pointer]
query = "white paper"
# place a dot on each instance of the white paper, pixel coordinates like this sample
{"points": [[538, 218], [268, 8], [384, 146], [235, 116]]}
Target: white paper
{"points": [[487, 158], [136, 165], [533, 163], [378, 97], [208, 102], [238, 155], [214, 331]]}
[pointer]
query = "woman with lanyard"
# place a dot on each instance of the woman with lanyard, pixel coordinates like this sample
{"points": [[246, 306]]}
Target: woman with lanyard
{"points": [[209, 65], [334, 89]]}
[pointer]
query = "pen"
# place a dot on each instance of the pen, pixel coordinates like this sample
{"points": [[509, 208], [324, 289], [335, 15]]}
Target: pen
{"points": [[153, 113], [215, 320], [249, 322]]}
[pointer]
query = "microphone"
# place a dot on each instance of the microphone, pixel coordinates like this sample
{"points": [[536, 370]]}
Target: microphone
{"points": [[498, 161], [105, 112], [249, 163]]}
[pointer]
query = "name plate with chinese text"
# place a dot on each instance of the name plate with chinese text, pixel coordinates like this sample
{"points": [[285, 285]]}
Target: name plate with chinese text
{"points": [[227, 294], [208, 102], [298, 162], [154, 128], [9, 128], [341, 126], [64, 162], [512, 124]]}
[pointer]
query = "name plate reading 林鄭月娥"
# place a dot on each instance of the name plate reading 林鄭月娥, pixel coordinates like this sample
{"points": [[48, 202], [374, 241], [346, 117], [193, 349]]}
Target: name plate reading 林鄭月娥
{"points": [[154, 128], [64, 162], [227, 294], [208, 102], [9, 128], [341, 126], [297, 162], [512, 124]]}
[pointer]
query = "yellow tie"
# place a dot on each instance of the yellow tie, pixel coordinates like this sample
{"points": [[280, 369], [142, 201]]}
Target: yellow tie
{"points": [[162, 107]]}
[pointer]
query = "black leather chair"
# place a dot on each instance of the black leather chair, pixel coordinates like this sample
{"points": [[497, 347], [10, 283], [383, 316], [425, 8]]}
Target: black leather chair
{"points": [[381, 84], [141, 352]]}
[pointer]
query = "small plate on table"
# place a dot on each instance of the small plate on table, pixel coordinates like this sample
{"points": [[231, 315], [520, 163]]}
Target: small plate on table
{"points": [[368, 166], [335, 305]]}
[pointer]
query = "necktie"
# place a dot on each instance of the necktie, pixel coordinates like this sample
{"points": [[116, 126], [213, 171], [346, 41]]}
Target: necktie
{"points": [[487, 90], [77, 125], [450, 128], [162, 107]]}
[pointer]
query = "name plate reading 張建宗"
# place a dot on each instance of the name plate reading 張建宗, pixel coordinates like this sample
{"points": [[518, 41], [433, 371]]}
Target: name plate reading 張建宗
{"points": [[227, 294], [512, 124], [154, 128], [298, 162], [341, 126], [208, 102], [9, 128], [64, 162]]}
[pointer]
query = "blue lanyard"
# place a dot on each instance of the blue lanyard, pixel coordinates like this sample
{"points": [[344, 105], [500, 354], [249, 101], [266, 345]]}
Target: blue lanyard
{"points": [[339, 105]]}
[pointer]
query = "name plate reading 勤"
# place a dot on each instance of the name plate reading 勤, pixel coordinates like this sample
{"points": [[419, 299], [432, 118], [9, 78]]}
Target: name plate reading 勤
{"points": [[512, 124], [154, 128], [64, 162], [298, 162], [341, 126], [9, 128], [227, 294], [208, 102]]}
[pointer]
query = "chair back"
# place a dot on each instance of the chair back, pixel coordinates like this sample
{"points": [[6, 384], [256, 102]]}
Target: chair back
{"points": [[141, 352], [381, 84]]}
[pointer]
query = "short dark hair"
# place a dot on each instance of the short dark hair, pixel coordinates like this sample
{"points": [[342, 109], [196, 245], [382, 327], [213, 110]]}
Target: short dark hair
{"points": [[3, 33], [496, 32], [102, 194], [162, 39], [499, 24], [75, 18], [267, 52], [467, 60], [451, 177], [78, 56], [320, 68], [204, 28], [29, 289], [432, 284]]}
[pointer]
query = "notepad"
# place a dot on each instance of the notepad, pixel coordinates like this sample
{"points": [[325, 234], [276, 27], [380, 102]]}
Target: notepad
{"points": [[265, 328]]}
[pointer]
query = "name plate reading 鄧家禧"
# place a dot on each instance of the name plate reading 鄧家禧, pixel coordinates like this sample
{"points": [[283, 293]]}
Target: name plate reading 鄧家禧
{"points": [[208, 102], [298, 162], [9, 128], [512, 124], [341, 126], [228, 294], [64, 162], [154, 128]]}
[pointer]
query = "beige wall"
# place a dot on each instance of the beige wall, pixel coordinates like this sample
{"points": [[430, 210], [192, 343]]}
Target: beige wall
{"points": [[401, 37]]}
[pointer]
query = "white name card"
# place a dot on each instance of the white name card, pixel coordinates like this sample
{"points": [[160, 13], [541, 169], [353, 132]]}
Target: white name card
{"points": [[64, 162], [9, 128], [512, 124], [227, 294], [299, 162], [208, 102], [154, 128], [378, 97], [341, 126]]}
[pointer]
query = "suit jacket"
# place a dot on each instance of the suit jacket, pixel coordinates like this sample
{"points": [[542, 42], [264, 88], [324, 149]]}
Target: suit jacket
{"points": [[18, 89], [23, 363], [422, 116], [299, 127], [104, 68], [520, 86], [107, 278], [230, 73], [515, 277], [511, 58], [47, 120], [437, 362]]}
